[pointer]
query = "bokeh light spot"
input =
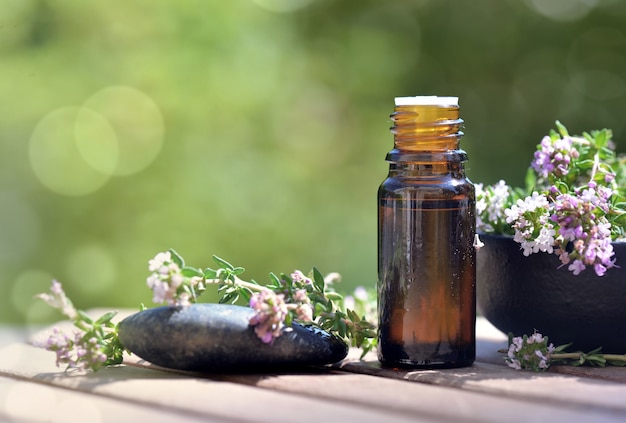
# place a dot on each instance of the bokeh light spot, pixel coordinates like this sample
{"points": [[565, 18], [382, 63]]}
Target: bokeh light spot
{"points": [[595, 69], [28, 284], [58, 161], [599, 84], [137, 121], [96, 141], [92, 269], [563, 10], [19, 228], [282, 6]]}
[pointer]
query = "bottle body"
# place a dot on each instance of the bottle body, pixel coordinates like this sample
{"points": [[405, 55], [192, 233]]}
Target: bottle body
{"points": [[426, 267]]}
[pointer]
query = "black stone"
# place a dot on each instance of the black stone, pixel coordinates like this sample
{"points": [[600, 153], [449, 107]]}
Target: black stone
{"points": [[218, 338]]}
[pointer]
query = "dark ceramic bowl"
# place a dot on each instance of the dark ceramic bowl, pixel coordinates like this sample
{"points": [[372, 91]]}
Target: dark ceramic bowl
{"points": [[521, 294]]}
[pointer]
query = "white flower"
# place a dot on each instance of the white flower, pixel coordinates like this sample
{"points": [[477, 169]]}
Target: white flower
{"points": [[545, 241], [513, 213], [159, 261], [361, 293]]}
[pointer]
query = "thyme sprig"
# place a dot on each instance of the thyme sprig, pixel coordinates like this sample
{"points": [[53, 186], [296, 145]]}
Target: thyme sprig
{"points": [[287, 299]]}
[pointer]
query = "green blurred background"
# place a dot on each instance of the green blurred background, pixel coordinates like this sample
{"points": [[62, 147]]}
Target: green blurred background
{"points": [[257, 129]]}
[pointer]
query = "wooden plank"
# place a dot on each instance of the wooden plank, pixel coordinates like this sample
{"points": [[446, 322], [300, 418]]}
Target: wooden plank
{"points": [[439, 401], [192, 396], [422, 399], [483, 392], [33, 402], [567, 390], [323, 394]]}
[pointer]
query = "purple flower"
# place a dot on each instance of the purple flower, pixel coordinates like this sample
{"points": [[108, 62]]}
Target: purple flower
{"points": [[576, 267], [554, 156], [529, 352], [578, 223], [59, 300], [167, 282], [271, 311], [81, 351], [298, 277]]}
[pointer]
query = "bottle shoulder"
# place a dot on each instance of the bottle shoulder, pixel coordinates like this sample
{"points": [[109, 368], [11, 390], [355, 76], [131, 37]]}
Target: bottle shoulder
{"points": [[398, 181], [402, 185]]}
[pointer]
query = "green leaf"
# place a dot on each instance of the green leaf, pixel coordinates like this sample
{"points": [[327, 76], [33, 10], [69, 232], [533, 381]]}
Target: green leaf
{"points": [[105, 318], [84, 317], [246, 294], [341, 327], [601, 138], [561, 348], [238, 270], [177, 258], [82, 326], [562, 129], [191, 272], [596, 360], [229, 297], [318, 279], [586, 164], [596, 351], [334, 296], [530, 180], [352, 315], [274, 282], [320, 308], [223, 263], [210, 273]]}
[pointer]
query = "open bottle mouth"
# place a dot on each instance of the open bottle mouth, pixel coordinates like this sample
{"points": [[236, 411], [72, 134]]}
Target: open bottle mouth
{"points": [[426, 100]]}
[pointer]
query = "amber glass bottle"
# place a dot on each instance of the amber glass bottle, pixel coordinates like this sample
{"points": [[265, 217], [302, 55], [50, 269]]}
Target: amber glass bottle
{"points": [[426, 258]]}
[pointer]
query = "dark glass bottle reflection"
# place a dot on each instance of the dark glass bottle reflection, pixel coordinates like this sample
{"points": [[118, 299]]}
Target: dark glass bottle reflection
{"points": [[426, 258]]}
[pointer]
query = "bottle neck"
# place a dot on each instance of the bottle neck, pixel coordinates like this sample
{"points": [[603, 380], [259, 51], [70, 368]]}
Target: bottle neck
{"points": [[426, 128], [426, 142], [427, 164]]}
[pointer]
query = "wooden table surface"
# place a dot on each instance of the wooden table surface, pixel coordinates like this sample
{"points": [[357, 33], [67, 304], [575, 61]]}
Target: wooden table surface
{"points": [[33, 389]]}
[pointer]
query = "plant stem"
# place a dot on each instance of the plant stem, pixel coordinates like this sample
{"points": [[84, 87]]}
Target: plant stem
{"points": [[617, 357], [237, 282], [596, 164], [578, 355]]}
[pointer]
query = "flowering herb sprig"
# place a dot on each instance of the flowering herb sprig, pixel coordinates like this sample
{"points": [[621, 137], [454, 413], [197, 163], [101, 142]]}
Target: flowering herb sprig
{"points": [[573, 205], [92, 345], [287, 299], [535, 353]]}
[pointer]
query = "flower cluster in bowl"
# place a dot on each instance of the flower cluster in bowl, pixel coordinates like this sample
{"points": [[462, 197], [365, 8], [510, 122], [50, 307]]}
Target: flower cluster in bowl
{"points": [[573, 205]]}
